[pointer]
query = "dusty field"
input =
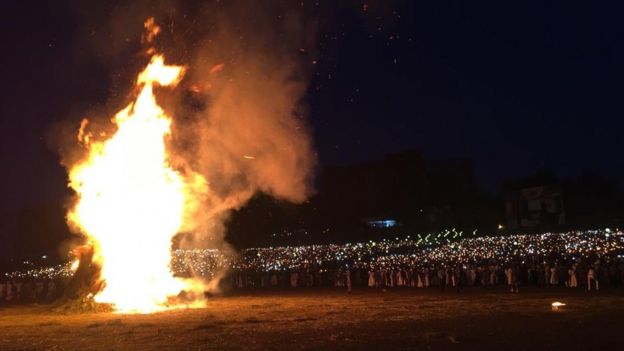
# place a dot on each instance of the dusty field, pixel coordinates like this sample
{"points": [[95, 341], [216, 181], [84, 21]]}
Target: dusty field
{"points": [[330, 319]]}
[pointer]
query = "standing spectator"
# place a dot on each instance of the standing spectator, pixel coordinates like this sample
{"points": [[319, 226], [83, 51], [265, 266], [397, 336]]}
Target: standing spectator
{"points": [[483, 274], [399, 277], [459, 278], [441, 278], [472, 276], [592, 277], [273, 280], [378, 278], [508, 275], [294, 276], [572, 274], [347, 275], [546, 274], [2, 291], [18, 290], [419, 279], [39, 290], [10, 292], [515, 278], [51, 292], [492, 271], [371, 278], [554, 280]]}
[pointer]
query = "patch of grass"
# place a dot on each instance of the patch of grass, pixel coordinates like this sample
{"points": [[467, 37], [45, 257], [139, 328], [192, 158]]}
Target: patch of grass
{"points": [[205, 326], [114, 322], [304, 319]]}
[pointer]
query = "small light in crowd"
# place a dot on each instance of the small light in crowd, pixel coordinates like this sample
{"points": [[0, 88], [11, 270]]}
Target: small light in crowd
{"points": [[557, 306], [500, 226]]}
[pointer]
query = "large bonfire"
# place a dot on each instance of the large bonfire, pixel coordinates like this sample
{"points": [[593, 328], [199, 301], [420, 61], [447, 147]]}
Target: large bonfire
{"points": [[131, 202]]}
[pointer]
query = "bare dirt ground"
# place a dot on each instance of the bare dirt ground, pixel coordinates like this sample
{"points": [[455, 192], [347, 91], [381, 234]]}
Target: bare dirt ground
{"points": [[401, 319]]}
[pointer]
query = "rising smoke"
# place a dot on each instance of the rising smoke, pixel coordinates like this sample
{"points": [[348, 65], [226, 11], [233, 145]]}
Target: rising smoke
{"points": [[249, 132]]}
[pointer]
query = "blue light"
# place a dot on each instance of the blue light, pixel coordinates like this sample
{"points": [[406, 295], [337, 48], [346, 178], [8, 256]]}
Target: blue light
{"points": [[385, 223]]}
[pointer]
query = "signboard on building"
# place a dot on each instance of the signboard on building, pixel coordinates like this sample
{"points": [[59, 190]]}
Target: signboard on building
{"points": [[535, 207]]}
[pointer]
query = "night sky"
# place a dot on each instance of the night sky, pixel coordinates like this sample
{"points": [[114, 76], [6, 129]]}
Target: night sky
{"points": [[517, 88]]}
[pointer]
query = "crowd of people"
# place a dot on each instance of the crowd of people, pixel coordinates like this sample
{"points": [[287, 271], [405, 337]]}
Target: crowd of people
{"points": [[29, 290], [587, 259], [587, 274], [447, 260]]}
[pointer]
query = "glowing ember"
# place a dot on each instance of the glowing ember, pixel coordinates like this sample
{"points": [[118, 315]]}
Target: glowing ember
{"points": [[131, 202]]}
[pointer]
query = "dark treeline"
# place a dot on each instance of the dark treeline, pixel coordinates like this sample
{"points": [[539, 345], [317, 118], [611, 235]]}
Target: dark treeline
{"points": [[423, 195], [420, 194], [41, 231]]}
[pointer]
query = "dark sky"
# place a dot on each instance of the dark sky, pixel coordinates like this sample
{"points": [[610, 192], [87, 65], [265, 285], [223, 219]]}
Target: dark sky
{"points": [[516, 87]]}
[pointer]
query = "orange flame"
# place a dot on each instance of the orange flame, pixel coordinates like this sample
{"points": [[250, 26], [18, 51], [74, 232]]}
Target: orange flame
{"points": [[131, 202], [151, 29]]}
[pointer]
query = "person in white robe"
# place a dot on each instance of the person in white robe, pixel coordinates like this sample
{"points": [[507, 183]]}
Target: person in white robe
{"points": [[509, 275], [371, 279], [399, 278], [572, 273]]}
